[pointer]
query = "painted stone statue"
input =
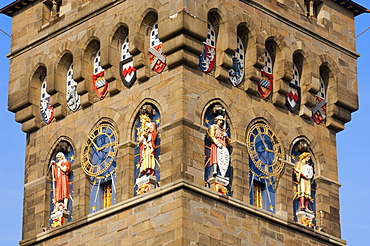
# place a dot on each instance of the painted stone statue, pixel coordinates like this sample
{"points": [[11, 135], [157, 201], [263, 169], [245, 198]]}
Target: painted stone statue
{"points": [[305, 177], [219, 156], [60, 172], [147, 135]]}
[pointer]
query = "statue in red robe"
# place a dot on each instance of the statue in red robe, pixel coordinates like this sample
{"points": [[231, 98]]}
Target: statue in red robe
{"points": [[61, 170], [219, 156], [147, 134]]}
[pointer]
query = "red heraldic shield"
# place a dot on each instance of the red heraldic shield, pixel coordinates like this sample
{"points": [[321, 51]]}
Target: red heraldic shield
{"points": [[157, 59], [99, 84], [293, 98], [265, 84], [319, 111], [127, 72], [208, 58]]}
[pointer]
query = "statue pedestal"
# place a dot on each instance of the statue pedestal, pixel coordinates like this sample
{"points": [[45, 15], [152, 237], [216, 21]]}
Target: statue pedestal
{"points": [[305, 218], [145, 184], [219, 183], [59, 217]]}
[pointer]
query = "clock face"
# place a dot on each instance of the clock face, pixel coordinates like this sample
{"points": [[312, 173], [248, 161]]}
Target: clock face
{"points": [[100, 150], [265, 149]]}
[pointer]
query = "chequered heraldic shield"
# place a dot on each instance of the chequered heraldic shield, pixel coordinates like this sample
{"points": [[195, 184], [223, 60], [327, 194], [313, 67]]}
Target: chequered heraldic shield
{"points": [[72, 97], [47, 111], [208, 57], [319, 111], [236, 72], [100, 85], [266, 82], [156, 57], [126, 66], [293, 98]]}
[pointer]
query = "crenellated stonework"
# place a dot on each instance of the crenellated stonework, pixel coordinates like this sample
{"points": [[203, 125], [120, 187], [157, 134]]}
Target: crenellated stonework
{"points": [[181, 209]]}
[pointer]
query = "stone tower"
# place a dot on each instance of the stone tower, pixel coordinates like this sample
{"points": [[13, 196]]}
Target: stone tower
{"points": [[181, 122]]}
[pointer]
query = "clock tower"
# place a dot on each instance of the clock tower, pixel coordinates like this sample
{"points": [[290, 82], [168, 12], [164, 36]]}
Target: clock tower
{"points": [[182, 122]]}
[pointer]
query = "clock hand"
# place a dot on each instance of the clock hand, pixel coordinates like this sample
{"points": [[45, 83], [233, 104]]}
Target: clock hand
{"points": [[263, 141], [270, 150], [104, 146], [94, 143]]}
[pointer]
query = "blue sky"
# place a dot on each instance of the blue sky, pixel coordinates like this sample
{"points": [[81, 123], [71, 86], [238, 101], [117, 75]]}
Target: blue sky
{"points": [[352, 144]]}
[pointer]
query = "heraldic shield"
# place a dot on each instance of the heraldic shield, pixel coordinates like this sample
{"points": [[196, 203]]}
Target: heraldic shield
{"points": [[265, 84], [157, 59], [46, 110], [127, 72], [293, 98], [99, 84], [207, 58], [319, 111]]}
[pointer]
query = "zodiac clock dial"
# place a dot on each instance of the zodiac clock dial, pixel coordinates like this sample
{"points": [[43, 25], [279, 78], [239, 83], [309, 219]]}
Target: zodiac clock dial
{"points": [[265, 149], [100, 150]]}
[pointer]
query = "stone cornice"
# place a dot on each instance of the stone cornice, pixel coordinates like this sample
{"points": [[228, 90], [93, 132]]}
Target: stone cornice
{"points": [[185, 185]]}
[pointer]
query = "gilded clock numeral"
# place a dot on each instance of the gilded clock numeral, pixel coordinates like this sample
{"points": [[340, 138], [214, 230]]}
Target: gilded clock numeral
{"points": [[269, 159], [99, 150]]}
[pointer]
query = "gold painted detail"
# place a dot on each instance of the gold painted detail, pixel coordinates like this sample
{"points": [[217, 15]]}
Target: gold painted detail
{"points": [[220, 188], [56, 222], [258, 137], [307, 222], [102, 142], [144, 188]]}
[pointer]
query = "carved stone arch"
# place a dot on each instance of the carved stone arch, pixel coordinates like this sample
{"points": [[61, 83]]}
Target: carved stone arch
{"points": [[81, 69], [118, 34], [241, 21], [45, 61], [228, 113], [257, 114], [282, 68], [55, 141], [219, 9], [254, 50], [312, 148], [38, 74], [328, 61], [109, 115], [145, 98], [149, 18], [329, 72], [316, 148], [217, 16], [65, 59], [207, 97]]}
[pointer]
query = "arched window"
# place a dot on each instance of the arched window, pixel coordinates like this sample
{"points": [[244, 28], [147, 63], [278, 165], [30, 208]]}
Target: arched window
{"points": [[217, 167], [72, 97], [100, 85], [266, 82], [61, 191], [208, 57], [236, 73], [293, 98], [47, 111], [266, 160], [127, 70], [99, 163], [147, 151], [303, 180], [157, 59], [319, 111]]}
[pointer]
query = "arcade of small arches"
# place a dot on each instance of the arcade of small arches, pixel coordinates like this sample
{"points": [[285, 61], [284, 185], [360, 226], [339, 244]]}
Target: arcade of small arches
{"points": [[293, 67]]}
